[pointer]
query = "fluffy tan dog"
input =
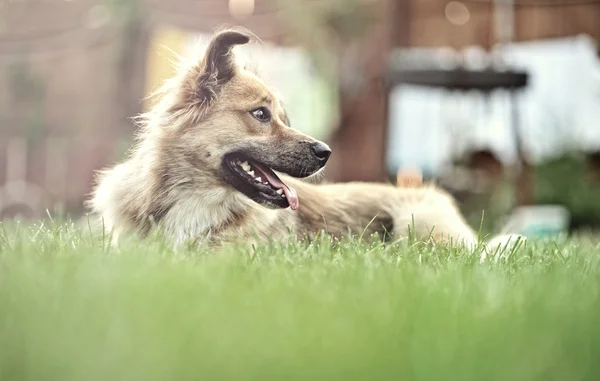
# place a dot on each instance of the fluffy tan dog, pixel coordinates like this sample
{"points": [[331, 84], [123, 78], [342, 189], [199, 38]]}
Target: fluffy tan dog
{"points": [[216, 158]]}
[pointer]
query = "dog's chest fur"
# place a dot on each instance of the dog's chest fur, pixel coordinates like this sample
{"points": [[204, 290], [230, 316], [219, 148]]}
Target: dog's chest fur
{"points": [[224, 217]]}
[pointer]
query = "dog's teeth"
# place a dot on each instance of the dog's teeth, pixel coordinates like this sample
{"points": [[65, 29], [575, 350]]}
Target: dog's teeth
{"points": [[283, 196], [245, 166], [258, 179], [280, 191], [251, 173]]}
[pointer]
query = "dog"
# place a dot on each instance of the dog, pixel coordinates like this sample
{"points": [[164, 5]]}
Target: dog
{"points": [[217, 159]]}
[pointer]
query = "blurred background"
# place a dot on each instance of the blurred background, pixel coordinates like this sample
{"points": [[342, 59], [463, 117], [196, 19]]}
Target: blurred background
{"points": [[498, 101]]}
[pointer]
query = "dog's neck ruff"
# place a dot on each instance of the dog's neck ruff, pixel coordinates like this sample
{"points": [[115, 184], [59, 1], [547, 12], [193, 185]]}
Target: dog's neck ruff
{"points": [[201, 216]]}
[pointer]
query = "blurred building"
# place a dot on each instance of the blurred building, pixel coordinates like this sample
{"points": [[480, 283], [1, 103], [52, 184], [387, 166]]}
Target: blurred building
{"points": [[73, 71], [458, 24]]}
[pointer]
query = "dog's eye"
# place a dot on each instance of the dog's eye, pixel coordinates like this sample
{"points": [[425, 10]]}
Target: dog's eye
{"points": [[261, 114]]}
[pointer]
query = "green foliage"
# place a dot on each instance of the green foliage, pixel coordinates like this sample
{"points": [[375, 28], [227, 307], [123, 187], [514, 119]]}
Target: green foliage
{"points": [[126, 11], [72, 308], [327, 28], [28, 93], [563, 181]]}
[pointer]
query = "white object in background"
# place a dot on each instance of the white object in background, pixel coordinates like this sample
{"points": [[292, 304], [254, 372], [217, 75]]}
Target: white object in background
{"points": [[539, 220], [559, 109]]}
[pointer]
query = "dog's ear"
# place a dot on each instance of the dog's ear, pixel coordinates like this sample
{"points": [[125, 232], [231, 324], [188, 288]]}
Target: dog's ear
{"points": [[219, 61], [216, 68]]}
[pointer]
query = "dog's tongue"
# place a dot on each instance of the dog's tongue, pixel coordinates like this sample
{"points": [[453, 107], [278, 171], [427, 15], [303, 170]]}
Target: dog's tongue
{"points": [[290, 193]]}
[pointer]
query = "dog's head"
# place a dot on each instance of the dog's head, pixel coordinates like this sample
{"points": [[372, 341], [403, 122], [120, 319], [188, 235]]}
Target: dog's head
{"points": [[233, 125]]}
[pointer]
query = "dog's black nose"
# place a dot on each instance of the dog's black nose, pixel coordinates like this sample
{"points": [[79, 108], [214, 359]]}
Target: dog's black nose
{"points": [[321, 151]]}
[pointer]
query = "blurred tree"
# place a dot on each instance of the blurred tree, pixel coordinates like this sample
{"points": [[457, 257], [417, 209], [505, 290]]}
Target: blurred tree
{"points": [[348, 41]]}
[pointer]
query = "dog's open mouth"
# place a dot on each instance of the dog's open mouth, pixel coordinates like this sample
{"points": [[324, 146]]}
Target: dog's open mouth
{"points": [[260, 183]]}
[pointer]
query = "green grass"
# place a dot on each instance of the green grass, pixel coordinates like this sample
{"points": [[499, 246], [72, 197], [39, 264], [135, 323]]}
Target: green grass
{"points": [[73, 309]]}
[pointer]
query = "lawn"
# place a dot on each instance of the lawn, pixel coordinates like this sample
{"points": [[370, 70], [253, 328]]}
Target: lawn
{"points": [[73, 309]]}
